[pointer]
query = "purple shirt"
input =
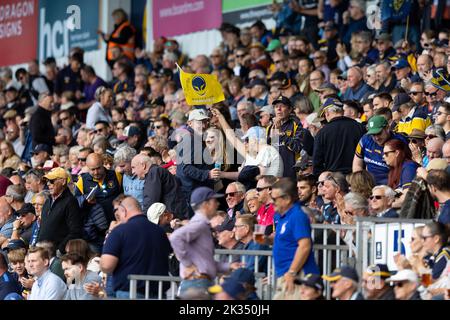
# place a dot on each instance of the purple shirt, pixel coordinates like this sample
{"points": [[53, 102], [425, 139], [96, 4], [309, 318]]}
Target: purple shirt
{"points": [[89, 89], [193, 245]]}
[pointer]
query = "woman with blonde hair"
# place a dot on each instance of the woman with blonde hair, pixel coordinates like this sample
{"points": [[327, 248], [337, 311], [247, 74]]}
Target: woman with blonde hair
{"points": [[8, 157], [361, 182]]}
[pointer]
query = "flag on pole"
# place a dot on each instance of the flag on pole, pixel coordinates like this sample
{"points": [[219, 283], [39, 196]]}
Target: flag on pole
{"points": [[200, 89]]}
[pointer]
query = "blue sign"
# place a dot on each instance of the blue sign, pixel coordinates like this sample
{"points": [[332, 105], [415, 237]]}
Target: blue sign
{"points": [[402, 249], [65, 24]]}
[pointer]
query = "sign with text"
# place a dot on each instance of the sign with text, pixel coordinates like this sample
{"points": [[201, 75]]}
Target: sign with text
{"points": [[246, 11], [176, 17], [64, 25], [18, 31]]}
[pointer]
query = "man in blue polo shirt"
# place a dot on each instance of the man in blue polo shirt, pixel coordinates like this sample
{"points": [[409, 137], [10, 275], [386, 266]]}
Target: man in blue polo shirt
{"points": [[292, 249], [369, 151], [136, 246]]}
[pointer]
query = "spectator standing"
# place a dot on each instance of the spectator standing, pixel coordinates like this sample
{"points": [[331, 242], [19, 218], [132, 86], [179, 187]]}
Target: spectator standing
{"points": [[135, 246], [69, 78], [41, 127], [439, 185], [292, 249]]}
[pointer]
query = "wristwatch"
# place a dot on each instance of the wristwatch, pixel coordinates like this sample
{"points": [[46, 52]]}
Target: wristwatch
{"points": [[292, 273]]}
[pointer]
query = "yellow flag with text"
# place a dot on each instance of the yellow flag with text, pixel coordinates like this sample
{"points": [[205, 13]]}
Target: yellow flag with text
{"points": [[200, 89]]}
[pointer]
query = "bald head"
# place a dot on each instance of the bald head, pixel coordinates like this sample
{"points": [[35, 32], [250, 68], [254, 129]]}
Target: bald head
{"points": [[434, 148], [140, 165], [5, 211], [94, 162], [446, 151], [132, 206]]}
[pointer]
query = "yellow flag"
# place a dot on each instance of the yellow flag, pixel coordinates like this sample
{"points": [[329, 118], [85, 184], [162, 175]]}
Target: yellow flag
{"points": [[201, 89]]}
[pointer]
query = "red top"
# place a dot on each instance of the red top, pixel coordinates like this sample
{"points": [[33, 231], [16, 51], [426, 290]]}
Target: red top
{"points": [[265, 214]]}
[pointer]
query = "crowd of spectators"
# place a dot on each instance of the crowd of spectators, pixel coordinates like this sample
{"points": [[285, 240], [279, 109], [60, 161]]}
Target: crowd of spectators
{"points": [[324, 120]]}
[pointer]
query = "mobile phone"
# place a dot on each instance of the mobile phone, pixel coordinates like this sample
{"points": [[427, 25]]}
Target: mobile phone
{"points": [[91, 194], [217, 166]]}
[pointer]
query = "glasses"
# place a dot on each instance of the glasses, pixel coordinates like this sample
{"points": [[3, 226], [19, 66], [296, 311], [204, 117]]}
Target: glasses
{"points": [[440, 112], [263, 188], [240, 55], [430, 136], [320, 183], [279, 61], [232, 194], [82, 159], [64, 119], [414, 93], [376, 197], [398, 284], [158, 127], [51, 182], [431, 94], [351, 213], [414, 141]]}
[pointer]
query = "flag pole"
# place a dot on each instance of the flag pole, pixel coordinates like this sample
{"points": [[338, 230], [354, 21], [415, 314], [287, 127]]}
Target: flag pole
{"points": [[407, 27]]}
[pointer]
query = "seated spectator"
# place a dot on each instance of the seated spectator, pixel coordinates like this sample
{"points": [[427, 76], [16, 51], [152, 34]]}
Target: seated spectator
{"points": [[226, 240], [334, 189], [235, 195], [311, 287], [402, 169], [344, 283], [25, 224], [47, 286], [361, 182], [435, 237], [243, 230], [246, 277], [8, 157], [7, 219], [77, 275], [375, 286], [405, 284], [307, 192], [8, 283], [381, 202], [251, 202]]}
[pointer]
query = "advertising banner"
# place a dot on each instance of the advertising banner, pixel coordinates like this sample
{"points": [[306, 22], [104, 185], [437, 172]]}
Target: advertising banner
{"points": [[176, 17], [18, 32], [64, 25], [244, 11]]}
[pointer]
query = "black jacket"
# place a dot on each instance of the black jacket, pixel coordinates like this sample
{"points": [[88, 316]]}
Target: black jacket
{"points": [[161, 186], [61, 220], [335, 144], [41, 127]]}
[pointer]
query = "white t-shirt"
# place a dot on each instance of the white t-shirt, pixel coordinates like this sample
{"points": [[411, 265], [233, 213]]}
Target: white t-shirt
{"points": [[268, 158]]}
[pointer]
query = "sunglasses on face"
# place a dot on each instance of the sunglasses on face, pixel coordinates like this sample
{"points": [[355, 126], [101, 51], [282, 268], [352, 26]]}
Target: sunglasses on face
{"points": [[415, 93], [263, 188], [376, 197], [414, 141], [231, 194], [82, 159], [430, 136], [397, 284], [431, 94]]}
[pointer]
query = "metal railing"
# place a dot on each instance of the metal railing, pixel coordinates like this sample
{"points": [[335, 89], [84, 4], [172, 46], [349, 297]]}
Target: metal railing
{"points": [[330, 252]]}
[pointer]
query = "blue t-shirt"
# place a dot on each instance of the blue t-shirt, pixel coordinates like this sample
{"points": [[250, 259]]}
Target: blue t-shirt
{"points": [[142, 248], [408, 174], [8, 284], [290, 228], [444, 216], [372, 155]]}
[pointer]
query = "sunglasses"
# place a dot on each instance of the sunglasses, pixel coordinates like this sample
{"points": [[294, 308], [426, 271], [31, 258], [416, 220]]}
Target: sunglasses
{"points": [[320, 183], [158, 127], [82, 159], [263, 188], [430, 136], [414, 93], [279, 61], [397, 284], [51, 182], [240, 55], [431, 94], [232, 194], [376, 197], [414, 141]]}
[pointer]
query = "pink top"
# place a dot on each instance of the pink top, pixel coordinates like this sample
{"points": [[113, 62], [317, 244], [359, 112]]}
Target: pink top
{"points": [[265, 214]]}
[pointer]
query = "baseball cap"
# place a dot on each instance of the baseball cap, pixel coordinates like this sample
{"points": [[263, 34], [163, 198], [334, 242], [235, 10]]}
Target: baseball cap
{"points": [[343, 272], [155, 211], [304, 162], [273, 45], [15, 244], [376, 124], [283, 100], [400, 99], [283, 78], [131, 131], [311, 280], [198, 114], [243, 275], [437, 164], [26, 209], [404, 275], [203, 194], [42, 147], [233, 288], [255, 133], [267, 109], [400, 64], [378, 270], [56, 173], [10, 114], [330, 102]]}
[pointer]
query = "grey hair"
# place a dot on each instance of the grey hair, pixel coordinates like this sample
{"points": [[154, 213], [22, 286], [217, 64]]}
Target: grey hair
{"points": [[124, 154], [388, 191], [365, 36], [335, 109], [61, 150], [170, 56], [248, 106], [385, 64], [356, 201], [17, 192], [43, 95], [438, 130], [239, 186]]}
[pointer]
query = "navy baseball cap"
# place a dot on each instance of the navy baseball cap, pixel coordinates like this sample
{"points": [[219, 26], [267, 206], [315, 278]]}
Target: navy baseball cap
{"points": [[42, 147], [378, 270], [400, 99], [243, 275], [400, 64], [283, 100], [256, 82], [15, 244], [232, 287], [26, 209], [311, 280], [343, 272], [203, 194]]}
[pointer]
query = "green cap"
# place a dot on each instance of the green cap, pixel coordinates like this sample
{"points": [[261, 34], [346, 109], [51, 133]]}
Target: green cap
{"points": [[273, 45], [376, 124]]}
